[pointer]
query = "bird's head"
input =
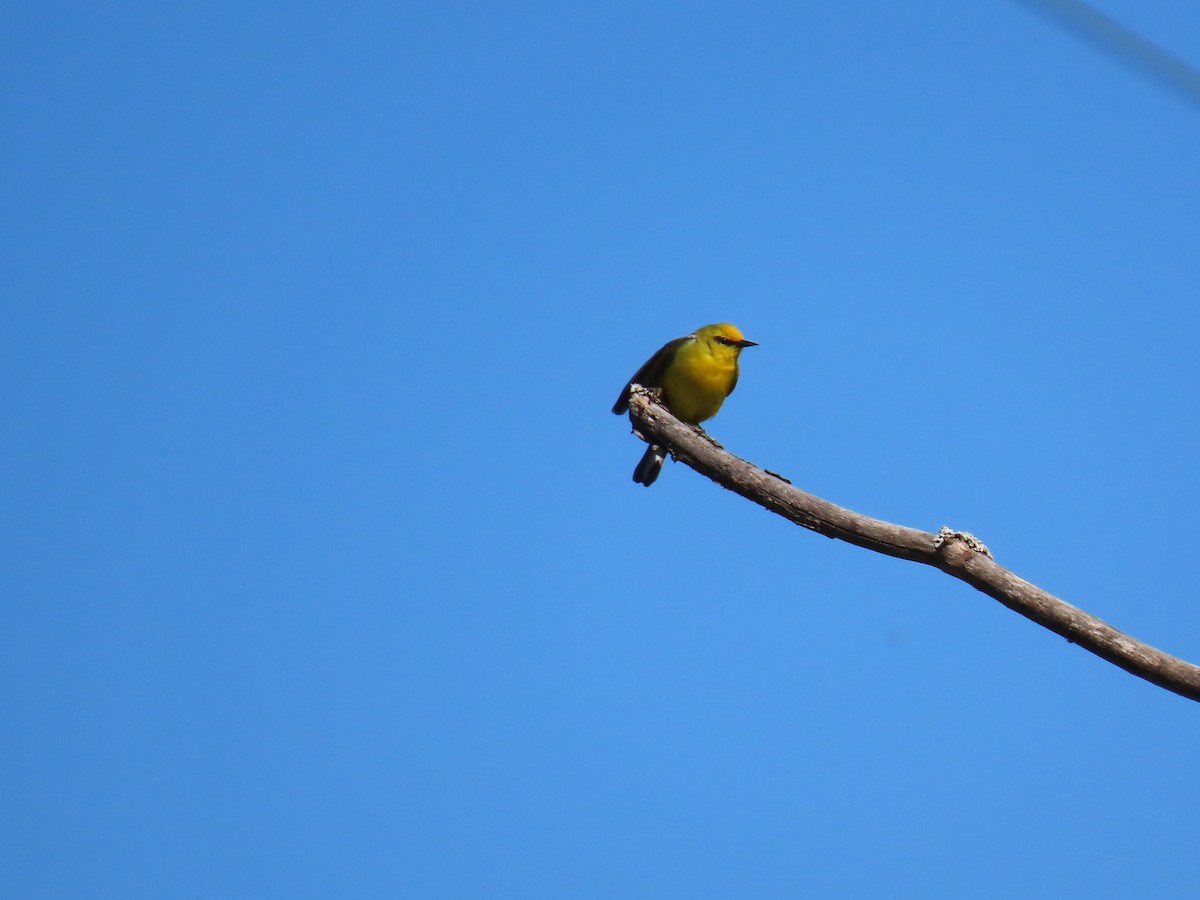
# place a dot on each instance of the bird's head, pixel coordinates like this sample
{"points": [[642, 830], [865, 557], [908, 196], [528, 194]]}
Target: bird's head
{"points": [[722, 334]]}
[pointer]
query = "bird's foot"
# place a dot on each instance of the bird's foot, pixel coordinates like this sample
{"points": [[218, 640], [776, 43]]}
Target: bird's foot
{"points": [[654, 393]]}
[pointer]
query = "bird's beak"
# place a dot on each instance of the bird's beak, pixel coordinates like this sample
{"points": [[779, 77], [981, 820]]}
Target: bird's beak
{"points": [[745, 344]]}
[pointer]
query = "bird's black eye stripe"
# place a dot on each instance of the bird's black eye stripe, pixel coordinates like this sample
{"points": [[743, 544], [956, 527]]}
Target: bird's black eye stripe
{"points": [[725, 340]]}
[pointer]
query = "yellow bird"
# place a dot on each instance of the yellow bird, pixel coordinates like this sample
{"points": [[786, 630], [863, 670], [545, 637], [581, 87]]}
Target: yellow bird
{"points": [[695, 374]]}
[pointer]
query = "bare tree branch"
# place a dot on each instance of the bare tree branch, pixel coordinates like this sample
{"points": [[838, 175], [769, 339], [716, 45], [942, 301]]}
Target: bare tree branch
{"points": [[955, 553]]}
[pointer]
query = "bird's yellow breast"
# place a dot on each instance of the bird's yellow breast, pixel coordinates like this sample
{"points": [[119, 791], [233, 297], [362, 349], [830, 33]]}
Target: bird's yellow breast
{"points": [[699, 379]]}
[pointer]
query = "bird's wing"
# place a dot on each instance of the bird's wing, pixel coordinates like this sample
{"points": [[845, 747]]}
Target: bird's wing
{"points": [[651, 372]]}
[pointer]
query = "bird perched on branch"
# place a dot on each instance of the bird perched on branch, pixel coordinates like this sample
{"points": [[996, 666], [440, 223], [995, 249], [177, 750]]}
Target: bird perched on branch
{"points": [[694, 374]]}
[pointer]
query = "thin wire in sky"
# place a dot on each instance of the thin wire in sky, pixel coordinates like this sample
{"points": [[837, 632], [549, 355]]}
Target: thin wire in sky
{"points": [[1128, 47]]}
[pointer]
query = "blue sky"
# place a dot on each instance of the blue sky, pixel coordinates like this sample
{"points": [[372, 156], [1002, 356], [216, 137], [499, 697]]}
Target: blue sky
{"points": [[323, 570]]}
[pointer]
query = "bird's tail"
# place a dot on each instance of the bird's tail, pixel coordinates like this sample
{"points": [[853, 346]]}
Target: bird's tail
{"points": [[652, 460]]}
